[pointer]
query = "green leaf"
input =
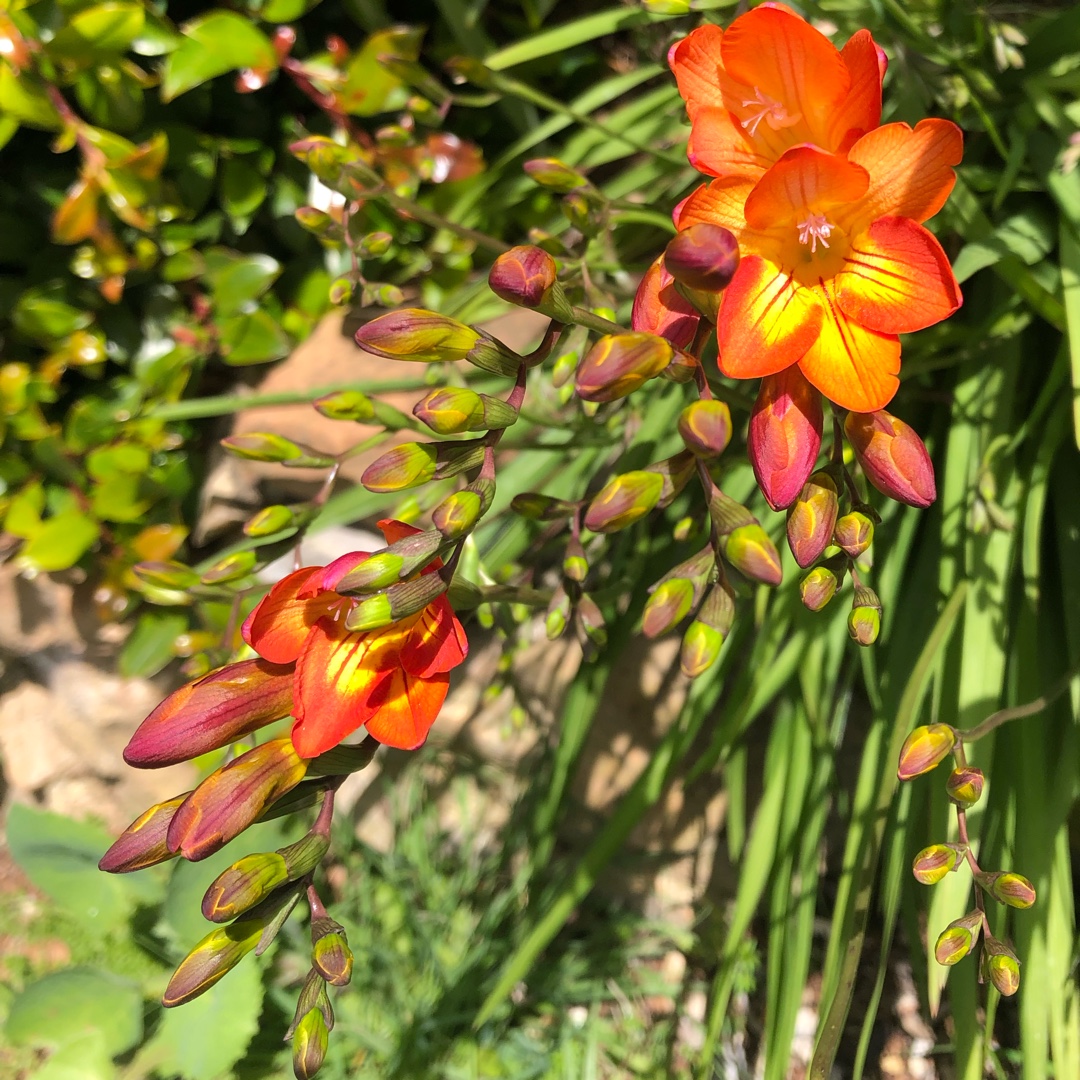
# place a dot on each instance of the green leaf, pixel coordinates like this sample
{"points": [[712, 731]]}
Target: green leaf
{"points": [[66, 1006], [25, 101], [103, 28], [279, 11], [237, 281], [213, 44], [84, 1058], [253, 339], [61, 542], [241, 187], [150, 646], [46, 318], [208, 1036], [60, 857]]}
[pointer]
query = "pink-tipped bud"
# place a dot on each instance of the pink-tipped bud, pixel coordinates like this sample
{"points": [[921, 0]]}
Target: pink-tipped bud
{"points": [[705, 636], [233, 797], [749, 549], [864, 621], [812, 517], [619, 363], [1001, 967], [211, 960], [892, 456], [703, 257], [412, 464], [142, 843], [660, 309], [705, 427], [820, 585], [527, 276], [623, 500], [331, 956], [784, 435], [452, 410], [853, 533], [212, 712], [554, 174], [537, 507], [1007, 888], [965, 785], [417, 335], [935, 861], [669, 604], [925, 749], [958, 939]]}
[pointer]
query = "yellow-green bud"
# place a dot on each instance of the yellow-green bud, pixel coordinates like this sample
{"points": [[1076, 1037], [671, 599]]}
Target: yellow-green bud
{"points": [[592, 621], [818, 587], [965, 785], [396, 603], [705, 427], [1007, 888], [232, 568], [412, 464], [669, 604], [274, 519], [265, 446], [853, 533], [623, 500], [212, 959], [924, 749], [310, 1041], [452, 410], [538, 507], [165, 575], [558, 614], [417, 335], [575, 565], [864, 620], [958, 939], [554, 174], [456, 515], [750, 551], [935, 861], [330, 953], [1001, 966], [700, 649], [346, 405]]}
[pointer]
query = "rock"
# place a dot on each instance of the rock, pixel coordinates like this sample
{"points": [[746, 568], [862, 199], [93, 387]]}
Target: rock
{"points": [[33, 751]]}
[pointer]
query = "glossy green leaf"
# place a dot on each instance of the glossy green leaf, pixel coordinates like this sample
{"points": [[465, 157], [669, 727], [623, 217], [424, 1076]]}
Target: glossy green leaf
{"points": [[110, 27], [238, 281], [150, 646], [252, 339], [23, 99], [61, 541], [215, 43]]}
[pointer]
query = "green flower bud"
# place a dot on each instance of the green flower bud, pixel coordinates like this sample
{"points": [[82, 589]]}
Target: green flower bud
{"points": [[232, 568], [575, 565], [1007, 888], [346, 405], [705, 427], [958, 939], [623, 500], [457, 514], [669, 604], [592, 621], [965, 785], [853, 533], [331, 956], [264, 446], [538, 507], [165, 575], [452, 410], [394, 563], [417, 335], [554, 174], [619, 363], [700, 649], [274, 519], [558, 615], [924, 749], [812, 517], [320, 223], [412, 464], [935, 861], [820, 585], [341, 291], [1001, 966], [310, 1042], [750, 551], [396, 603], [374, 244], [864, 621]]}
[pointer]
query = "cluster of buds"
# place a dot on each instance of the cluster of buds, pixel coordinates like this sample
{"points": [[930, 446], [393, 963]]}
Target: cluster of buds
{"points": [[923, 750]]}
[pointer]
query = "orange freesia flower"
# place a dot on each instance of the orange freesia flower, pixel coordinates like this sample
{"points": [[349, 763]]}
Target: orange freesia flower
{"points": [[392, 681], [771, 82], [836, 262]]}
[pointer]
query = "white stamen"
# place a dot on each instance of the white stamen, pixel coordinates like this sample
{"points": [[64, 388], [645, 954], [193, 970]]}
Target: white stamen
{"points": [[766, 109], [815, 230]]}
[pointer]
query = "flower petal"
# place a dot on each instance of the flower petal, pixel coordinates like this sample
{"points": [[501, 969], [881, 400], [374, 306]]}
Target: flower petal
{"points": [[766, 321], [719, 146], [896, 278], [861, 111], [279, 624], [806, 179], [911, 171], [660, 309], [405, 708], [394, 530], [783, 58], [329, 576], [436, 642], [718, 203], [336, 675], [696, 64], [852, 366]]}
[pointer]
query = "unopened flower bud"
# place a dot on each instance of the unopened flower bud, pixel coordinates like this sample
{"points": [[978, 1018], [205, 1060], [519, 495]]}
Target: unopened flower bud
{"points": [[527, 276], [582, 208], [820, 585], [592, 621], [396, 603], [274, 519], [558, 614], [310, 1040], [864, 621], [142, 843], [575, 566], [394, 563], [958, 939], [965, 785], [413, 464], [784, 436], [619, 363], [212, 712], [1007, 888], [623, 500], [812, 517], [264, 446], [233, 567], [458, 513], [703, 257], [1001, 966], [935, 861], [705, 636], [233, 797], [705, 427], [660, 309], [537, 507], [853, 533], [346, 405], [925, 749], [330, 953], [892, 456], [554, 174], [418, 335], [452, 410], [669, 604], [749, 549]]}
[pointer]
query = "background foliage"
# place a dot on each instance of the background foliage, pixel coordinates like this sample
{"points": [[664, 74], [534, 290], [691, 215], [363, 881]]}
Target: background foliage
{"points": [[153, 252]]}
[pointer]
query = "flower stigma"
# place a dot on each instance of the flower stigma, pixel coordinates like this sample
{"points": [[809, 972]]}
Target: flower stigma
{"points": [[814, 229], [769, 110]]}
